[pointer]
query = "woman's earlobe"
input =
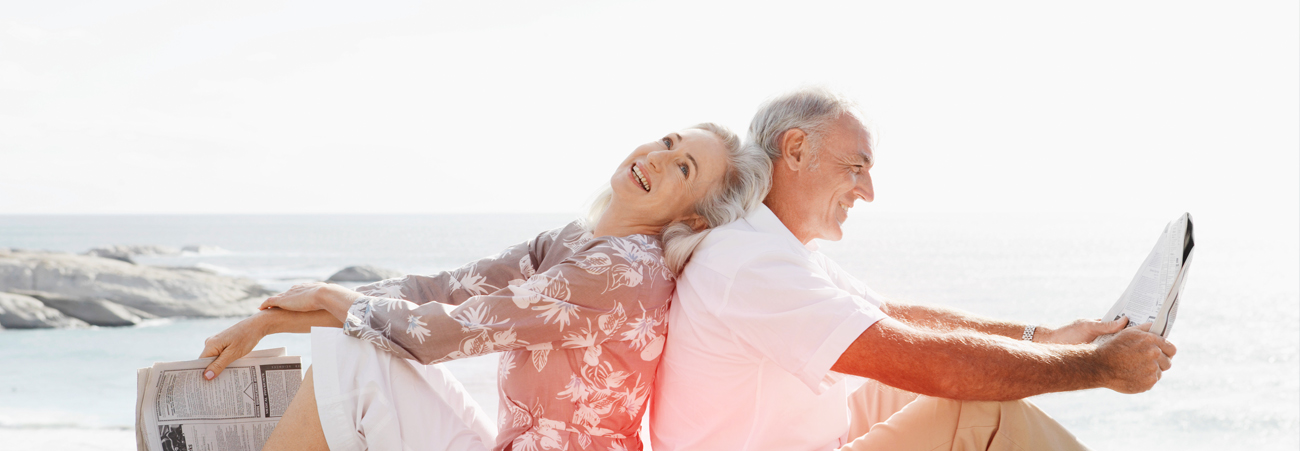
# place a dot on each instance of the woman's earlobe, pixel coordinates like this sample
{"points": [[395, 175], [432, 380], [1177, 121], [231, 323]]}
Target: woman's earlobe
{"points": [[696, 222]]}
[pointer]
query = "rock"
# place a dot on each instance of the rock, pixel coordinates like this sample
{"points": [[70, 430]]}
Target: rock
{"points": [[96, 312], [156, 291], [25, 312], [125, 252], [202, 249], [363, 273]]}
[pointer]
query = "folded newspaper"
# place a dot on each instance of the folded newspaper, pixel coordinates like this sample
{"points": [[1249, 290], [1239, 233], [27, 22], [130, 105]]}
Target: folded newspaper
{"points": [[1154, 293], [176, 409]]}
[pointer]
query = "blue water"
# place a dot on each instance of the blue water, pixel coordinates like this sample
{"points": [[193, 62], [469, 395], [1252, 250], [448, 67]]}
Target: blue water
{"points": [[1235, 382]]}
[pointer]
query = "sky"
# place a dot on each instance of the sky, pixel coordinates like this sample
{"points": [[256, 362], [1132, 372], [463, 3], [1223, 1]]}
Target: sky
{"points": [[266, 107]]}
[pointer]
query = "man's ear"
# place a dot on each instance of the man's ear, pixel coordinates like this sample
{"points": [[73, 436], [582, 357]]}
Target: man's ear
{"points": [[794, 148]]}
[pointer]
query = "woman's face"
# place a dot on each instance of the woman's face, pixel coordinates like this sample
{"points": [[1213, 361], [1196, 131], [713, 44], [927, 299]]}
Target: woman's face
{"points": [[661, 181]]}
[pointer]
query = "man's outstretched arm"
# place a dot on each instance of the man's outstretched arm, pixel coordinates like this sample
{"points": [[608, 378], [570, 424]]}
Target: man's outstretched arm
{"points": [[943, 319], [973, 366]]}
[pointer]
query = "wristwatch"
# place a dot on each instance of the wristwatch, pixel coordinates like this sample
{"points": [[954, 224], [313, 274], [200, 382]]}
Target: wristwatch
{"points": [[1029, 333]]}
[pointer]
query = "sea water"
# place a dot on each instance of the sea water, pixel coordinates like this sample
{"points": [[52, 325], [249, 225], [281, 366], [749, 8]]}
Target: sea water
{"points": [[1235, 382]]}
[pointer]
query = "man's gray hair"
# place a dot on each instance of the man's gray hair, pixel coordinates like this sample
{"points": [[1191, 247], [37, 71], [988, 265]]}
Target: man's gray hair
{"points": [[810, 109], [743, 186]]}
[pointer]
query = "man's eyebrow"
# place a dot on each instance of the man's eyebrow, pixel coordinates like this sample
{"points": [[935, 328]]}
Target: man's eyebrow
{"points": [[693, 162], [867, 159], [679, 137]]}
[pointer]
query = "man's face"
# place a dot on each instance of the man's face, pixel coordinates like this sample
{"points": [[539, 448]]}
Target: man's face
{"points": [[841, 176]]}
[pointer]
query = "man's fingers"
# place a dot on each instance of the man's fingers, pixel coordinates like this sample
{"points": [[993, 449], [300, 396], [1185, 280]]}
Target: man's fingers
{"points": [[1146, 327], [1110, 327], [1164, 362], [1168, 348]]}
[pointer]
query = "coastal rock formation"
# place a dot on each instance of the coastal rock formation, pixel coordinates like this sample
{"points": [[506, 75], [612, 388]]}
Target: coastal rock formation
{"points": [[155, 291], [202, 249], [125, 252], [96, 312], [363, 273], [25, 312]]}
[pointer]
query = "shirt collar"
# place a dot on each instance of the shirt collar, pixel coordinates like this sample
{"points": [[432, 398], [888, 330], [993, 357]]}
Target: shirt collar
{"points": [[765, 221]]}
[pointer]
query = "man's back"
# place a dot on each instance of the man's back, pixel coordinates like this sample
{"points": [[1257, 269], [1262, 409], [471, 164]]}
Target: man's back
{"points": [[757, 322]]}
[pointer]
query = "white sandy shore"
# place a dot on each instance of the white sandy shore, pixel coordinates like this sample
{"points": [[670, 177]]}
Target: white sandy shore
{"points": [[68, 439]]}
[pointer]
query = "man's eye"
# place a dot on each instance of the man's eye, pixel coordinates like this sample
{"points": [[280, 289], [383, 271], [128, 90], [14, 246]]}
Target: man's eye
{"points": [[668, 142], [857, 169], [686, 170]]}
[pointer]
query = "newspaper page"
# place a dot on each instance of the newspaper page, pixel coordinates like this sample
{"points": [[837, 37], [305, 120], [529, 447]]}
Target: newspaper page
{"points": [[179, 410], [1154, 293]]}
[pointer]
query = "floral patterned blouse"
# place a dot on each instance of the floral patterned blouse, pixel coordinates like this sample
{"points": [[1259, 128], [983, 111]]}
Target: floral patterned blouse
{"points": [[579, 322]]}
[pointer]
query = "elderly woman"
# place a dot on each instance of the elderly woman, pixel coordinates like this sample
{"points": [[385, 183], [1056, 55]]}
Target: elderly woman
{"points": [[578, 314]]}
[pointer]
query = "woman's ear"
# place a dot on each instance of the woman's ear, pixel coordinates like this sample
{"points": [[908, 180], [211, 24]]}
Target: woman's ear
{"points": [[695, 222], [794, 148]]}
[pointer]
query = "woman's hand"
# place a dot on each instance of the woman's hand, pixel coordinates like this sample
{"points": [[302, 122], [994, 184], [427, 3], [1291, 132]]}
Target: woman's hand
{"points": [[231, 344], [308, 297]]}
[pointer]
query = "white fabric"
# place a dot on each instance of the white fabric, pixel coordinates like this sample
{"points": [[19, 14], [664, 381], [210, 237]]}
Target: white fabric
{"points": [[756, 323], [370, 399]]}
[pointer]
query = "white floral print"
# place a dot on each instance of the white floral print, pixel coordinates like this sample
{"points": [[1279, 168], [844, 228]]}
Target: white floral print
{"points": [[580, 321]]}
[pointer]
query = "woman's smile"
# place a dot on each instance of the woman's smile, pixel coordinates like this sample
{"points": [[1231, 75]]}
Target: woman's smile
{"points": [[640, 177]]}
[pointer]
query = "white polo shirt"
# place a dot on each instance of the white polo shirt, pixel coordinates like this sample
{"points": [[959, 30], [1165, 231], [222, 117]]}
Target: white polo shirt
{"points": [[755, 325]]}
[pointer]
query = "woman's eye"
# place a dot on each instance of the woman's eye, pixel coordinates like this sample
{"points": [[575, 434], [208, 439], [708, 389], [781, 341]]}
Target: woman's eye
{"points": [[668, 142], [686, 170]]}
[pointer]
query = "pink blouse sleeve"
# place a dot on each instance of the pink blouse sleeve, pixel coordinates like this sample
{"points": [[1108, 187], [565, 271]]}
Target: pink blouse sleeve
{"points": [[606, 285], [453, 287]]}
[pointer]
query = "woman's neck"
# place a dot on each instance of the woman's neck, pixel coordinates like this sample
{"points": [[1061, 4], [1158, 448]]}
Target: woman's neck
{"points": [[617, 223]]}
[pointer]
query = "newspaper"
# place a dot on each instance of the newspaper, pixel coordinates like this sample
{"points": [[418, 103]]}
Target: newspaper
{"points": [[1154, 293], [178, 410]]}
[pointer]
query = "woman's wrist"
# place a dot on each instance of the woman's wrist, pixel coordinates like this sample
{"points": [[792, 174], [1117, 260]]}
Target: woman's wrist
{"points": [[266, 322], [337, 300]]}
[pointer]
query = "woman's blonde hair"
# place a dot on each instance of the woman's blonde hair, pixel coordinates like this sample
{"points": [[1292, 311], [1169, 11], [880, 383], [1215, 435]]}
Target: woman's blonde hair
{"points": [[745, 183]]}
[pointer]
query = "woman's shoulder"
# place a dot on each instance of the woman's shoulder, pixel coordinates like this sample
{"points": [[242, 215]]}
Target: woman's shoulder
{"points": [[629, 262]]}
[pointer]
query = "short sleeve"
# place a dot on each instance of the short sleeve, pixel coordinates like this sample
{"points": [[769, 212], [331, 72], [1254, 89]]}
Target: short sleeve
{"points": [[791, 311]]}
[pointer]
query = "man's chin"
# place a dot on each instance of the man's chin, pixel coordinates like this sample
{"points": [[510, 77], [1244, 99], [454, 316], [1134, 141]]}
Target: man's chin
{"points": [[833, 234]]}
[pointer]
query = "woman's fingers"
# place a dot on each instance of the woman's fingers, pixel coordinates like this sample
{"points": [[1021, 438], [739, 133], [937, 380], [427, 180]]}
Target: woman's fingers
{"points": [[215, 368], [228, 346]]}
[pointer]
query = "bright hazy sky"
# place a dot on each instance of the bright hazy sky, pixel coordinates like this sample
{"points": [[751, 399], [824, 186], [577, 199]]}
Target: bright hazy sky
{"points": [[522, 106]]}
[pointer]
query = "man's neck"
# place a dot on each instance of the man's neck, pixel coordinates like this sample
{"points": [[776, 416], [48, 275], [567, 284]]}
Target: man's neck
{"points": [[782, 213]]}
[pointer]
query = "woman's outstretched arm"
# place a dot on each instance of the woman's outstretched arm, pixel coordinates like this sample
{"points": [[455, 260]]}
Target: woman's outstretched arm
{"points": [[483, 276], [240, 339], [611, 287]]}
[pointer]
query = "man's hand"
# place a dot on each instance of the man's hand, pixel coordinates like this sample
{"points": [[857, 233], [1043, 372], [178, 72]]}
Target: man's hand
{"points": [[1134, 359], [231, 344], [1080, 331]]}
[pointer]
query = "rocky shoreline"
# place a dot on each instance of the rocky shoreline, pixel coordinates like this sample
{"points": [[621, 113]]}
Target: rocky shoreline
{"points": [[40, 289], [105, 287]]}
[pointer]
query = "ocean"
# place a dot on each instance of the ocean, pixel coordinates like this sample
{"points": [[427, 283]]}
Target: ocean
{"points": [[1235, 383]]}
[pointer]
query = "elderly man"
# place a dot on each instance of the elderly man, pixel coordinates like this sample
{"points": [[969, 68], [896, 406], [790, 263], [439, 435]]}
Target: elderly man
{"points": [[764, 328]]}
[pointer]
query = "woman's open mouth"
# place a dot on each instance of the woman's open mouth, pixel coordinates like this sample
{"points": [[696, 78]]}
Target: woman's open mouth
{"points": [[640, 178]]}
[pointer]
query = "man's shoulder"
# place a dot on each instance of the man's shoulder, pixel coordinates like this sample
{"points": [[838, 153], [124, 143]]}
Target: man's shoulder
{"points": [[728, 248]]}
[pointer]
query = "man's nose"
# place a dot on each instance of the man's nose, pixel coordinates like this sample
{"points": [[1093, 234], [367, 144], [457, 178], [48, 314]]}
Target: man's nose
{"points": [[865, 190]]}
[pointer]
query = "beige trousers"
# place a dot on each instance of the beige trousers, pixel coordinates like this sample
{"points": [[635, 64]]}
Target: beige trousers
{"points": [[886, 418]]}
